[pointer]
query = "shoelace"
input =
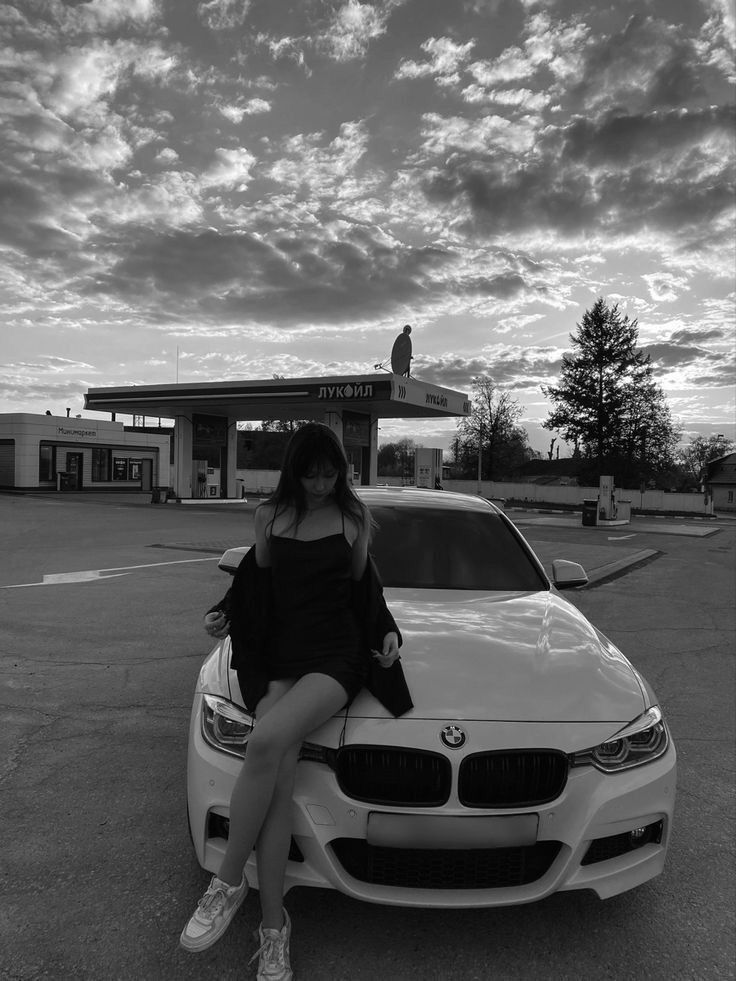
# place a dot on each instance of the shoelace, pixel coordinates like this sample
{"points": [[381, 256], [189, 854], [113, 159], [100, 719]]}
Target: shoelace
{"points": [[214, 897], [272, 949]]}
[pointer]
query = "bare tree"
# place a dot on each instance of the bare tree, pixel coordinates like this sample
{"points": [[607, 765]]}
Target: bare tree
{"points": [[702, 451], [491, 431]]}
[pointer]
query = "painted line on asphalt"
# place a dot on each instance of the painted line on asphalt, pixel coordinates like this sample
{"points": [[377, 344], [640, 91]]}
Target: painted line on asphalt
{"points": [[94, 575]]}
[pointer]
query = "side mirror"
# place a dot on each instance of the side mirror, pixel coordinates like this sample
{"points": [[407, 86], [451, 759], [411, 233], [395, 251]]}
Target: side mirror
{"points": [[231, 559], [568, 575]]}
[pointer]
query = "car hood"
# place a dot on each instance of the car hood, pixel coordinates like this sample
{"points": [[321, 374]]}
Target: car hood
{"points": [[507, 656]]}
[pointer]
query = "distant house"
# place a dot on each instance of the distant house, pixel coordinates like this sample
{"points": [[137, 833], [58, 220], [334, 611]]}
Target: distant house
{"points": [[720, 482]]}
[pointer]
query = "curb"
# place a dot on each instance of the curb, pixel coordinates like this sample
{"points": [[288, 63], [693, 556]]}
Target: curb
{"points": [[613, 570]]}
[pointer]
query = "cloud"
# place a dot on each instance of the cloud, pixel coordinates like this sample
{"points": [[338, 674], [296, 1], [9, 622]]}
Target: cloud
{"points": [[223, 15], [48, 381], [618, 139], [665, 287], [46, 363], [354, 26], [668, 355], [83, 79], [251, 108], [219, 277], [617, 176], [304, 161], [512, 368], [83, 17], [445, 58], [167, 156], [242, 173], [628, 163], [720, 375], [228, 168], [521, 99], [344, 36], [464, 137], [550, 47], [685, 336]]}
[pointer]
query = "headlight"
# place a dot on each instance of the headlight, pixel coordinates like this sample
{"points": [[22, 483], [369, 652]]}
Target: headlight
{"points": [[644, 740], [225, 726]]}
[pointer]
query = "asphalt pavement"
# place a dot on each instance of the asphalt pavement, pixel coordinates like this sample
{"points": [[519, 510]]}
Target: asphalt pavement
{"points": [[100, 646]]}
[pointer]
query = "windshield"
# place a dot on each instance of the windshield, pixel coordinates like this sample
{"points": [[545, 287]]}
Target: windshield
{"points": [[436, 548]]}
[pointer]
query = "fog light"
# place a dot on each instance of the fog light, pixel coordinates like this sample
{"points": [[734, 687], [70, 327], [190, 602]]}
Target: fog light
{"points": [[602, 849]]}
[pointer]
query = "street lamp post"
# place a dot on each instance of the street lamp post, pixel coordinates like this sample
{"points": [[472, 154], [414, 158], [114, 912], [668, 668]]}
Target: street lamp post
{"points": [[480, 458]]}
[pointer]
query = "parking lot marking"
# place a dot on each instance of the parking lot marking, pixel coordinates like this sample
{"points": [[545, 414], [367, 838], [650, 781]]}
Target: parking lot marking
{"points": [[88, 576], [619, 538], [93, 575]]}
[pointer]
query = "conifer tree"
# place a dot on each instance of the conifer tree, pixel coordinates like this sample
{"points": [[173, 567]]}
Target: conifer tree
{"points": [[607, 402]]}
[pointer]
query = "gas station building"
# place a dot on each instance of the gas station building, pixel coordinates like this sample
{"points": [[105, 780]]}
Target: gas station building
{"points": [[206, 415]]}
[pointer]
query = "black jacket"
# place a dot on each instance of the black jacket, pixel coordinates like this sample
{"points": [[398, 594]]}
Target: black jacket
{"points": [[248, 605]]}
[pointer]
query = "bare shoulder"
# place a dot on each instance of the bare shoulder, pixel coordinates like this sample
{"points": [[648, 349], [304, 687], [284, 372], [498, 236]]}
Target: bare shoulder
{"points": [[359, 524], [265, 513]]}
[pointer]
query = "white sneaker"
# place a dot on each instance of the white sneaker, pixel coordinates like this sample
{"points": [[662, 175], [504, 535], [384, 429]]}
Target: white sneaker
{"points": [[273, 954], [213, 914]]}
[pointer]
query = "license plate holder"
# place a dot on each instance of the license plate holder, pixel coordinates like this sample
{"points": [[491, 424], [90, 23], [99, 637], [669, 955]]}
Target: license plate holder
{"points": [[392, 830]]}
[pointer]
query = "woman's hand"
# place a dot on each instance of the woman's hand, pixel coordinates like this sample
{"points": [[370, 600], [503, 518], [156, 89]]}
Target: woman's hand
{"points": [[217, 625], [390, 652]]}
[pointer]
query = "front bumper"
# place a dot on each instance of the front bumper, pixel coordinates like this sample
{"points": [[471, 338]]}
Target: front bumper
{"points": [[336, 843]]}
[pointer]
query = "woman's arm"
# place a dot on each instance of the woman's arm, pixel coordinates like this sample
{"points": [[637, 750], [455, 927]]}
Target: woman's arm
{"points": [[360, 547], [264, 514], [217, 618]]}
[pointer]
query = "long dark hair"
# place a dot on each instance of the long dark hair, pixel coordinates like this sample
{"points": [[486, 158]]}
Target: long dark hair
{"points": [[315, 446]]}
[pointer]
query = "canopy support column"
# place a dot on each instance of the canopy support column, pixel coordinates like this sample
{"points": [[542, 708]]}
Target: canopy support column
{"points": [[183, 457]]}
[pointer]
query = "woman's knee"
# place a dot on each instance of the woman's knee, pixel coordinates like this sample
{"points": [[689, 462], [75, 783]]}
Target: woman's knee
{"points": [[266, 748]]}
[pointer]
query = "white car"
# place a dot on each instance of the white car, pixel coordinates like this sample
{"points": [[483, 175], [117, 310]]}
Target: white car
{"points": [[536, 758]]}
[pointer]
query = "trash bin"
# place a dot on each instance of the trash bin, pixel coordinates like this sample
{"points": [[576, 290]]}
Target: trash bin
{"points": [[64, 481], [590, 513], [159, 494]]}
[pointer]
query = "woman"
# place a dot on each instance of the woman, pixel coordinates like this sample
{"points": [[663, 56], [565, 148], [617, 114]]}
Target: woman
{"points": [[305, 613]]}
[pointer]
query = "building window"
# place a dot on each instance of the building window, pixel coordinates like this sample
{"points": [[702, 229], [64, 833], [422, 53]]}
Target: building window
{"points": [[46, 462], [100, 465]]}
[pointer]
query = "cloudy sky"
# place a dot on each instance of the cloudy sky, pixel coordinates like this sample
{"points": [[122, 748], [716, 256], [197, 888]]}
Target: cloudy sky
{"points": [[278, 187]]}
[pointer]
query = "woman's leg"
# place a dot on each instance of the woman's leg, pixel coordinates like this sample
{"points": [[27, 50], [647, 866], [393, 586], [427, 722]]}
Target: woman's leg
{"points": [[272, 847], [311, 701]]}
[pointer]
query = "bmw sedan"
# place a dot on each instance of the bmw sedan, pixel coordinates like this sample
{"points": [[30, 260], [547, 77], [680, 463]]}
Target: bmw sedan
{"points": [[536, 757]]}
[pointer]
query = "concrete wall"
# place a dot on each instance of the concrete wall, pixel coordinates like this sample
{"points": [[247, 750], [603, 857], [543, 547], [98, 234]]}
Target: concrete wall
{"points": [[538, 494], [258, 481], [535, 495], [545, 494]]}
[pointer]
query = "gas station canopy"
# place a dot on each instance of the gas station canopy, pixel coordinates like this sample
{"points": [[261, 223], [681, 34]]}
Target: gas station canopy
{"points": [[206, 414], [381, 395]]}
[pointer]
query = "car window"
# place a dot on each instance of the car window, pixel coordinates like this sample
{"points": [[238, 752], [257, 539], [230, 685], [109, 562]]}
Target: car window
{"points": [[435, 548]]}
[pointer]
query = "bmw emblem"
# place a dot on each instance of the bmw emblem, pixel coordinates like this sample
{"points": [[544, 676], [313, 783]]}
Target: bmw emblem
{"points": [[453, 737]]}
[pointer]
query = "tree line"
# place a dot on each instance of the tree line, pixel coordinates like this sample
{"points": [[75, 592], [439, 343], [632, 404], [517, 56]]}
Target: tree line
{"points": [[607, 405]]}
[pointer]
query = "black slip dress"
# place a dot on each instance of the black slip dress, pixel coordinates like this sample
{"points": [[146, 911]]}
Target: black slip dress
{"points": [[315, 629]]}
